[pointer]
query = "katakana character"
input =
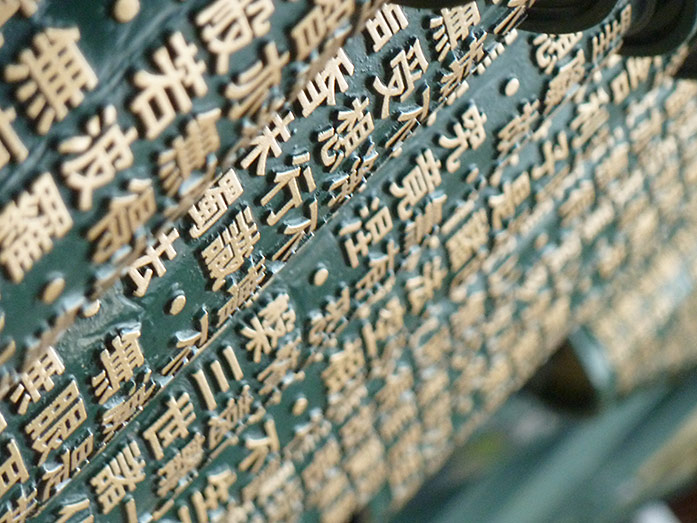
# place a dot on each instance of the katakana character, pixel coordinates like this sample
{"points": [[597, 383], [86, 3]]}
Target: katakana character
{"points": [[29, 225], [51, 427], [229, 25], [120, 476], [252, 87], [227, 252], [189, 151], [261, 447], [297, 230], [267, 142], [407, 67], [55, 74], [214, 203], [118, 364], [162, 95], [36, 379], [104, 151], [409, 119]]}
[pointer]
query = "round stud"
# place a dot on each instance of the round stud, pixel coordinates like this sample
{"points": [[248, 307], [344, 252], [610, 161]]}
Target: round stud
{"points": [[126, 10], [91, 308], [52, 290], [511, 87], [176, 304], [320, 277], [299, 406]]}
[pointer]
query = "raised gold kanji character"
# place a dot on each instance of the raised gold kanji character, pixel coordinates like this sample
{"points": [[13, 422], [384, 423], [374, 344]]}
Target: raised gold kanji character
{"points": [[272, 323], [152, 259], [8, 8], [518, 128], [516, 14], [453, 81], [277, 372], [322, 89], [288, 179], [407, 67], [421, 180], [173, 424], [550, 49], [103, 151], [567, 77], [386, 23], [119, 364], [379, 273], [344, 366], [261, 447], [470, 134], [214, 203], [37, 379], [349, 183], [119, 477], [420, 289], [267, 142], [242, 292], [12, 470], [29, 225], [56, 478], [234, 412], [180, 465], [228, 251], [215, 493], [10, 144], [252, 86], [374, 224], [55, 74], [453, 26], [310, 32], [229, 25], [162, 95], [189, 151], [50, 428], [22, 508], [354, 128], [116, 417], [468, 239], [126, 214]]}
